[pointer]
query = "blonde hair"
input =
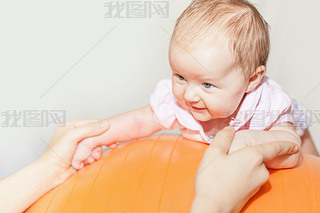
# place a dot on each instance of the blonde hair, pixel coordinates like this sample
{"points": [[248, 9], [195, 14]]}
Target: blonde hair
{"points": [[235, 22]]}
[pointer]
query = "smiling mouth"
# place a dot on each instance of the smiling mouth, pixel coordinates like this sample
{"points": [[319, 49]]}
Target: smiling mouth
{"points": [[196, 108]]}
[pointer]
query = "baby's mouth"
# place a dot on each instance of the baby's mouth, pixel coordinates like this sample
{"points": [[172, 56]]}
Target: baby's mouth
{"points": [[193, 108]]}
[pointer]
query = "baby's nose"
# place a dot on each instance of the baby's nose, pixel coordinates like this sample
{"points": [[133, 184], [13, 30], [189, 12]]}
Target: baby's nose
{"points": [[191, 95]]}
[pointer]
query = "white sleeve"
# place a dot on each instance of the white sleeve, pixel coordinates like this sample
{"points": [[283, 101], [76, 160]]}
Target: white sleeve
{"points": [[162, 105]]}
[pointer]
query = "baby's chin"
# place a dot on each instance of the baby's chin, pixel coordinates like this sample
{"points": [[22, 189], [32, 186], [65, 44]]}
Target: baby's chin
{"points": [[222, 119], [204, 117]]}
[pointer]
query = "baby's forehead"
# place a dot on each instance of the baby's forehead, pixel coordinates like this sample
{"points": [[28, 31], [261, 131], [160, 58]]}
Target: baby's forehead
{"points": [[209, 40], [202, 49], [206, 37], [216, 60]]}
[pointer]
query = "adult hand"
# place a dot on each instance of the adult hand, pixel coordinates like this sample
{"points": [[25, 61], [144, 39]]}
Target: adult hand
{"points": [[25, 186], [224, 183], [64, 143]]}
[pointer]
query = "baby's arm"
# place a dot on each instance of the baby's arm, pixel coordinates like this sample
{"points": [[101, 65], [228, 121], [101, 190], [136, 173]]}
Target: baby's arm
{"points": [[308, 146], [281, 132], [124, 127]]}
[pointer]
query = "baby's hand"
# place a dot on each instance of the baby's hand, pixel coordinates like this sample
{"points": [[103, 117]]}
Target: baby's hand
{"points": [[88, 151], [242, 139]]}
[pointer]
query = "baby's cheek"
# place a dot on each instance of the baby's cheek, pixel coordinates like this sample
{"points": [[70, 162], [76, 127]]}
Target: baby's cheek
{"points": [[222, 108], [178, 93], [230, 106], [176, 90]]}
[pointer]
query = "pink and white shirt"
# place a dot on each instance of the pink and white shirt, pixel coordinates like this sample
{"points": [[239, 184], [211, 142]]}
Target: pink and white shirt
{"points": [[261, 109]]}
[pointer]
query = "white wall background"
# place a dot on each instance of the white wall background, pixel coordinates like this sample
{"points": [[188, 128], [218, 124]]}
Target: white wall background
{"points": [[95, 67]]}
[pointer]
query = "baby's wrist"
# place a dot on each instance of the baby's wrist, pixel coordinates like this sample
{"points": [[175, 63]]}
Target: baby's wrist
{"points": [[245, 136]]}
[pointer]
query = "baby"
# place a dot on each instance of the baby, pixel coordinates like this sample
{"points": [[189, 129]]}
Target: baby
{"points": [[218, 54]]}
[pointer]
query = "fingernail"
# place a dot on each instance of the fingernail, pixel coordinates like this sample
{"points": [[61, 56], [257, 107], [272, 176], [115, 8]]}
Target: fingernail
{"points": [[295, 148], [104, 123], [96, 155]]}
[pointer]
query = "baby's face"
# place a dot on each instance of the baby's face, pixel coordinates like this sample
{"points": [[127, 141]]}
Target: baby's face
{"points": [[206, 81]]}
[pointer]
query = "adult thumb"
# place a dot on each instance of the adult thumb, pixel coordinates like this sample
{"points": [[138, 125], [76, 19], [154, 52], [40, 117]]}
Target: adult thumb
{"points": [[88, 130], [223, 139]]}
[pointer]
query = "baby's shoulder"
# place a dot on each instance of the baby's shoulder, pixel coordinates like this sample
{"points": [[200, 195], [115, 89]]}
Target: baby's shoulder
{"points": [[272, 95], [267, 85], [162, 91]]}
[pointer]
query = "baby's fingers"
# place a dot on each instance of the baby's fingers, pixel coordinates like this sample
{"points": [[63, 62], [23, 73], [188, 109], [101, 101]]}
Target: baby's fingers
{"points": [[77, 164], [113, 145], [82, 153], [96, 153], [90, 160]]}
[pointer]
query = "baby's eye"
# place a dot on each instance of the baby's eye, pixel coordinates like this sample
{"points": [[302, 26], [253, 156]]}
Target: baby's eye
{"points": [[207, 85], [181, 78]]}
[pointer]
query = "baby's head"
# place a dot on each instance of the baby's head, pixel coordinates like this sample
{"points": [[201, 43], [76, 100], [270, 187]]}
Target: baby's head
{"points": [[222, 46]]}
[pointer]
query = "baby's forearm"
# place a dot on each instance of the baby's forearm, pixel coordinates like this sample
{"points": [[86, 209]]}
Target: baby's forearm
{"points": [[129, 126], [259, 136], [125, 127]]}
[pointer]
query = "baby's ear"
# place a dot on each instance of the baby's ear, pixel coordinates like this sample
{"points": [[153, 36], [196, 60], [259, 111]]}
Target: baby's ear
{"points": [[256, 78]]}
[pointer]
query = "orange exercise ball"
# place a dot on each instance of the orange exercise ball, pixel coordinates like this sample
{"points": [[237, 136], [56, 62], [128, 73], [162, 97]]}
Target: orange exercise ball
{"points": [[157, 175]]}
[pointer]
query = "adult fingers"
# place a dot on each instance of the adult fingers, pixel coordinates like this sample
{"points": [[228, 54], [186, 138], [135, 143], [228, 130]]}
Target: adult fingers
{"points": [[88, 130], [223, 139], [272, 150], [77, 123], [235, 147], [63, 127]]}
